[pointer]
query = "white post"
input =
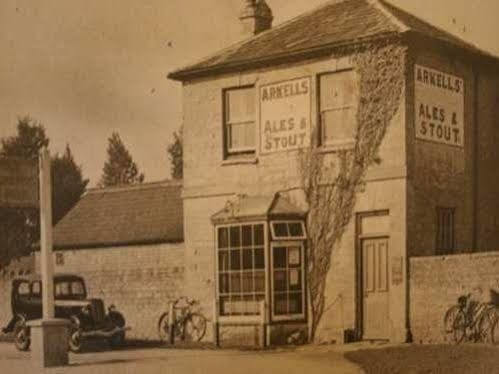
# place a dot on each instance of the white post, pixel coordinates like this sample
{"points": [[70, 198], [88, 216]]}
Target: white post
{"points": [[46, 261]]}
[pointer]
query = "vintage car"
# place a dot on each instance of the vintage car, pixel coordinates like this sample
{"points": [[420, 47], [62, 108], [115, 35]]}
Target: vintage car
{"points": [[87, 316]]}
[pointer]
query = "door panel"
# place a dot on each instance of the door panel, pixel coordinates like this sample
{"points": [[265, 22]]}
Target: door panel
{"points": [[375, 288]]}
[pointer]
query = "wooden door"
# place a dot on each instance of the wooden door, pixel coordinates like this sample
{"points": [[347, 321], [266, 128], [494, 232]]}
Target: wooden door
{"points": [[375, 288]]}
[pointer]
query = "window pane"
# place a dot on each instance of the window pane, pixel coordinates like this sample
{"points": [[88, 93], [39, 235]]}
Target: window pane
{"points": [[247, 282], [295, 229], [247, 259], [223, 283], [77, 288], [36, 289], [280, 304], [223, 260], [235, 259], [294, 256], [280, 280], [23, 288], [259, 281], [240, 104], [259, 258], [247, 234], [281, 229], [280, 257], [337, 125], [235, 282], [249, 135], [235, 236], [223, 237], [258, 232], [295, 303], [337, 90], [294, 279]]}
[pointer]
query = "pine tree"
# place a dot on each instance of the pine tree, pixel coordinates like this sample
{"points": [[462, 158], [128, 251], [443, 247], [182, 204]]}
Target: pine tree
{"points": [[67, 184], [19, 228], [119, 169], [175, 154]]}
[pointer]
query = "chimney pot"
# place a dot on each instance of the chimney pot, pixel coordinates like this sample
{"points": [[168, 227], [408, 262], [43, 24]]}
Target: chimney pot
{"points": [[256, 17]]}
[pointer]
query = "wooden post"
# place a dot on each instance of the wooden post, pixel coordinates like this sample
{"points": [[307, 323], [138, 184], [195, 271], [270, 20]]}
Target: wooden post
{"points": [[46, 261], [263, 324], [216, 332], [171, 323]]}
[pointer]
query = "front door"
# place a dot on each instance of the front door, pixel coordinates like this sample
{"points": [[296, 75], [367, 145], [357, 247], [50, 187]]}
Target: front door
{"points": [[375, 288]]}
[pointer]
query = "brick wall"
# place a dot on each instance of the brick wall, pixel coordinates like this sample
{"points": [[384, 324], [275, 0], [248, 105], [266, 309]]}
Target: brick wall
{"points": [[437, 282], [139, 280], [23, 266]]}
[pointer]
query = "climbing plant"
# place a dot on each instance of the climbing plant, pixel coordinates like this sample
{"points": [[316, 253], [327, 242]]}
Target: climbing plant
{"points": [[331, 182]]}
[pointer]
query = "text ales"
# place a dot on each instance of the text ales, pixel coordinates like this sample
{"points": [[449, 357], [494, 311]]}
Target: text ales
{"points": [[439, 106], [285, 115]]}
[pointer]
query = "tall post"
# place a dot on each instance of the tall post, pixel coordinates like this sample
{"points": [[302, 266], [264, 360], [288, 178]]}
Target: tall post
{"points": [[49, 336], [46, 262]]}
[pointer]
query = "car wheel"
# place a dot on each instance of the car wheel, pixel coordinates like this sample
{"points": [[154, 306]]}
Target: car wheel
{"points": [[75, 340], [22, 338]]}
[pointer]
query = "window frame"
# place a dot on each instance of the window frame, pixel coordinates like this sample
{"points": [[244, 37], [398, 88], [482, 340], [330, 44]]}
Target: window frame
{"points": [[229, 152], [234, 318], [288, 317], [445, 241], [288, 238], [342, 143]]}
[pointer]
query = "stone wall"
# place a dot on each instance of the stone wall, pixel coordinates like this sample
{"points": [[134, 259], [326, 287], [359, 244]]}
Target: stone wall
{"points": [[139, 280], [436, 283]]}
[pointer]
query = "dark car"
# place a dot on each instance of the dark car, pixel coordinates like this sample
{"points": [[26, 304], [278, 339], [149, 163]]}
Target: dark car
{"points": [[87, 316]]}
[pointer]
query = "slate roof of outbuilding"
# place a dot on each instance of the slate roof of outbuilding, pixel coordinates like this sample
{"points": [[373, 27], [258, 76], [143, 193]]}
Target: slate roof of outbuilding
{"points": [[141, 214], [324, 28]]}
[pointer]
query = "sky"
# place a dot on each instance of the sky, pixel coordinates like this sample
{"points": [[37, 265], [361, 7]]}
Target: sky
{"points": [[86, 68]]}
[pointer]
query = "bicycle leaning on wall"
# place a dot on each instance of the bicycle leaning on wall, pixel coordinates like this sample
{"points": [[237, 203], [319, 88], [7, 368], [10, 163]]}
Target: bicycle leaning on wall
{"points": [[188, 324], [472, 321]]}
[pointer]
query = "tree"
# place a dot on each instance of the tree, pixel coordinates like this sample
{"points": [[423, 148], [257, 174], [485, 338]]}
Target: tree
{"points": [[175, 154], [19, 228], [27, 143], [119, 169], [68, 184]]}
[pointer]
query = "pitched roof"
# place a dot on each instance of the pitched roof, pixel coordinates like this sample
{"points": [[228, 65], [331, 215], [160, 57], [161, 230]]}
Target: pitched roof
{"points": [[322, 29], [252, 207], [140, 214]]}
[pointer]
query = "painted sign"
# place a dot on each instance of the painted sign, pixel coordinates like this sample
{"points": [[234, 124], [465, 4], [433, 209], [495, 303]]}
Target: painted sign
{"points": [[439, 110], [18, 183], [285, 115]]}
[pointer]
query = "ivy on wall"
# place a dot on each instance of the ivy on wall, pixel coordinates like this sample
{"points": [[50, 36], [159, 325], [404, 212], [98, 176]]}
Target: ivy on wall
{"points": [[331, 185]]}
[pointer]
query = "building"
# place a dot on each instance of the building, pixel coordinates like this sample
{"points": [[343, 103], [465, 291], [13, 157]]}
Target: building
{"points": [[249, 109], [128, 244]]}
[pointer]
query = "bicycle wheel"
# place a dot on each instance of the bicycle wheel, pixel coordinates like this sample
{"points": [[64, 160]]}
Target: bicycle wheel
{"points": [[163, 327], [449, 319], [195, 327], [485, 326], [459, 326]]}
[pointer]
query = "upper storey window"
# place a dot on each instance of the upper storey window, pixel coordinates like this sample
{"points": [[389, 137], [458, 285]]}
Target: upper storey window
{"points": [[239, 126], [337, 108]]}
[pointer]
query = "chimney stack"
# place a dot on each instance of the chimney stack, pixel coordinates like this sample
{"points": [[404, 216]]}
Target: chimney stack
{"points": [[255, 17]]}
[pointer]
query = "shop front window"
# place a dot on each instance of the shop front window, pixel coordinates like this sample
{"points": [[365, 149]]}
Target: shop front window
{"points": [[241, 268]]}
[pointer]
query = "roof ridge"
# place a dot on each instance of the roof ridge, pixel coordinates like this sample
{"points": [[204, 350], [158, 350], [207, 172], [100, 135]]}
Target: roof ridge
{"points": [[134, 187], [386, 5], [236, 45], [380, 5]]}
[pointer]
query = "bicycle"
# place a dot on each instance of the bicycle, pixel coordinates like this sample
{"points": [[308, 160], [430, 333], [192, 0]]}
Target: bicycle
{"points": [[470, 320], [188, 325]]}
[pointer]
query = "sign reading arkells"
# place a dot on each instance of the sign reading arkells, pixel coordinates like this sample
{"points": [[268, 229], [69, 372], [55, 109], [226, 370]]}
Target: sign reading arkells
{"points": [[285, 115], [439, 107], [18, 183]]}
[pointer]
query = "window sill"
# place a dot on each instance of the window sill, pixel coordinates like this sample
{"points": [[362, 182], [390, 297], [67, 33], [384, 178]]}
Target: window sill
{"points": [[240, 161], [338, 146]]}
